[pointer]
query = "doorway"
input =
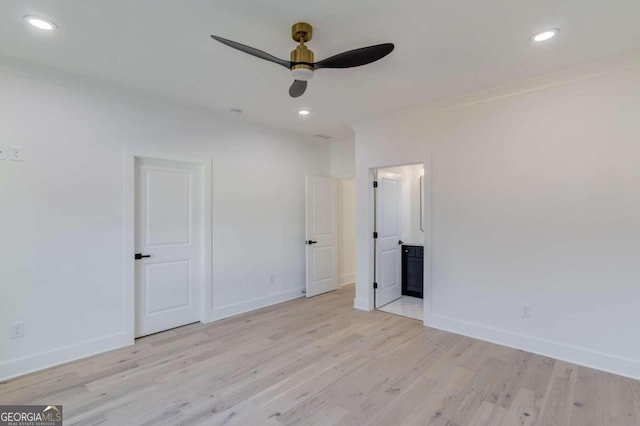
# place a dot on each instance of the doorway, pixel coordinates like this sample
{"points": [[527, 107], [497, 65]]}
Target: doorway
{"points": [[347, 231], [170, 232], [399, 240]]}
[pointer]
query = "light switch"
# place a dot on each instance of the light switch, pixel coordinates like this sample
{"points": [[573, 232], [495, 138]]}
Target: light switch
{"points": [[15, 153], [3, 152]]}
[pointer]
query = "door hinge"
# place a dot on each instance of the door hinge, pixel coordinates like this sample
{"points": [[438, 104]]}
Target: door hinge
{"points": [[375, 235], [375, 285], [375, 183]]}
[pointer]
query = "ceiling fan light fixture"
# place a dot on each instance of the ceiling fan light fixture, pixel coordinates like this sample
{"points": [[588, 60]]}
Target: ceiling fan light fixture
{"points": [[40, 23], [545, 35], [302, 73]]}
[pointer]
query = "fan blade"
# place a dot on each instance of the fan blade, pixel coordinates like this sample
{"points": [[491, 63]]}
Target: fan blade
{"points": [[253, 51], [297, 88], [356, 57]]}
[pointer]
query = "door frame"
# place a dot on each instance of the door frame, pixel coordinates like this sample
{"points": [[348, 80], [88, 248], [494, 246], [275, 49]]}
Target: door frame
{"points": [[129, 233], [426, 219]]}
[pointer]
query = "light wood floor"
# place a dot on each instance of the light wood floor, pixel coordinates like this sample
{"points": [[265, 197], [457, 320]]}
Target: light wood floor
{"points": [[318, 361]]}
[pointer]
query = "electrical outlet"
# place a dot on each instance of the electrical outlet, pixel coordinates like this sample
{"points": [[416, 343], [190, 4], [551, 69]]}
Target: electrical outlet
{"points": [[15, 153], [16, 330], [3, 152], [525, 311]]}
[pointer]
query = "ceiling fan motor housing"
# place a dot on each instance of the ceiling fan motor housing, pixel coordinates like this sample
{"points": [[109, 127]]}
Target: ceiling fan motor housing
{"points": [[302, 54]]}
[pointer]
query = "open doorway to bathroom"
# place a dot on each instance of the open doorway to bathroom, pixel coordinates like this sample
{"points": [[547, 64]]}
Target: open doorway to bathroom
{"points": [[399, 240]]}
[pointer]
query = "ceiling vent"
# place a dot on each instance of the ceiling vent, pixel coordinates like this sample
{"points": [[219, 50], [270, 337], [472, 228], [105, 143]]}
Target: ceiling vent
{"points": [[322, 136]]}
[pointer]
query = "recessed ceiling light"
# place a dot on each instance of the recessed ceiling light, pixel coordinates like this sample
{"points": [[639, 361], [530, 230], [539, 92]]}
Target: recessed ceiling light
{"points": [[303, 112], [545, 35], [40, 23]]}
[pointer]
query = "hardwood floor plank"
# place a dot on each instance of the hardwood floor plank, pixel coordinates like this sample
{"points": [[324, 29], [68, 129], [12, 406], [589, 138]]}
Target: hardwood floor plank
{"points": [[478, 390], [618, 397], [510, 379], [538, 374], [556, 407], [440, 409], [488, 414], [525, 409], [587, 403], [403, 408]]}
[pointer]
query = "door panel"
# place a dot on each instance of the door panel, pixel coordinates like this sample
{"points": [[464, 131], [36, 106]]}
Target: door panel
{"points": [[389, 266], [167, 286], [323, 258], [389, 192], [168, 216], [322, 208], [388, 251], [321, 228], [169, 228]]}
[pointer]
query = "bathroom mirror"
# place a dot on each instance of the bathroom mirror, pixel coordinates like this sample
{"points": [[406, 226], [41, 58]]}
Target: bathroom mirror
{"points": [[421, 178]]}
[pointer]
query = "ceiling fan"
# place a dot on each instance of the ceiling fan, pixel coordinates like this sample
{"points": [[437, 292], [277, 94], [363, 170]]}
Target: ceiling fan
{"points": [[302, 65]]}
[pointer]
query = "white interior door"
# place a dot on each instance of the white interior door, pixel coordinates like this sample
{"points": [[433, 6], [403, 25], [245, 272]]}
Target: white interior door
{"points": [[170, 237], [388, 248], [321, 234]]}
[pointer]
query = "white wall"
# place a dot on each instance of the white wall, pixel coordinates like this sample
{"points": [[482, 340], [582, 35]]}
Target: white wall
{"points": [[62, 220], [347, 230], [534, 199], [343, 163]]}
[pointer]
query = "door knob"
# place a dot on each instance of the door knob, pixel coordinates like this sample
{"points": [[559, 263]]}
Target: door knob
{"points": [[140, 256], [310, 242]]}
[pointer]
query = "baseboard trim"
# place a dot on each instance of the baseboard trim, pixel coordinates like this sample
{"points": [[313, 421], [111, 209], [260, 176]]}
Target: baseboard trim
{"points": [[251, 305], [576, 355], [52, 358], [347, 278]]}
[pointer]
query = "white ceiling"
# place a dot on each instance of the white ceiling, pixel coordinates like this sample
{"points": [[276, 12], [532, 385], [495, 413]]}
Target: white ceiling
{"points": [[444, 48]]}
